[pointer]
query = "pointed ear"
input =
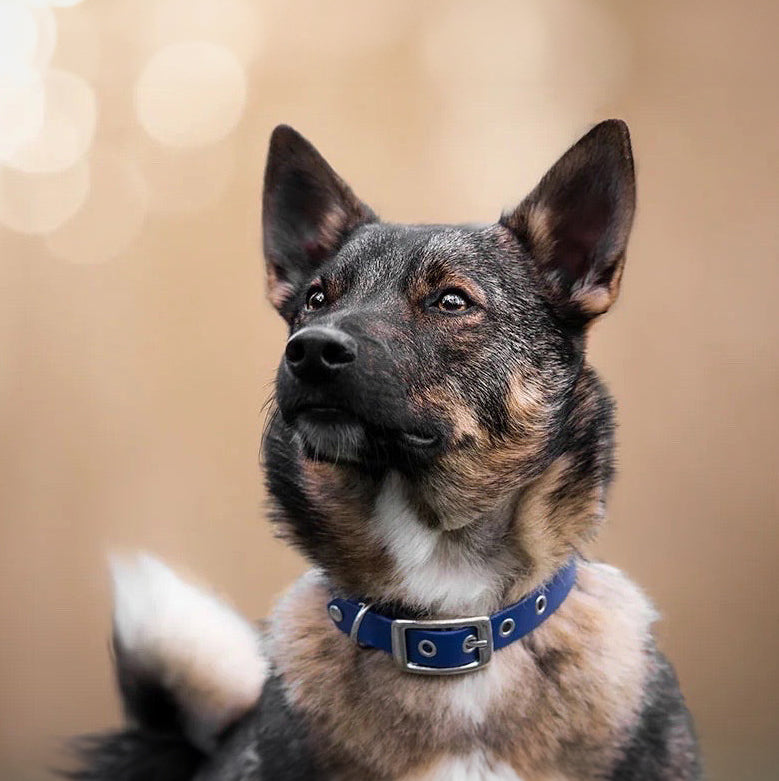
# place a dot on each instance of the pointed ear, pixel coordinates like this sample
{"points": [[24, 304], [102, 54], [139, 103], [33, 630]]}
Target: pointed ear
{"points": [[307, 212], [576, 222]]}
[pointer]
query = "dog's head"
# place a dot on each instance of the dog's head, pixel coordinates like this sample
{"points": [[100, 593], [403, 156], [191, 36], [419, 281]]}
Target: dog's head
{"points": [[449, 354]]}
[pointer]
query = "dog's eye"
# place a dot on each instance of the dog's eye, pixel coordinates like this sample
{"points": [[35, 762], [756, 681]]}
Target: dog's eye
{"points": [[315, 298], [453, 301]]}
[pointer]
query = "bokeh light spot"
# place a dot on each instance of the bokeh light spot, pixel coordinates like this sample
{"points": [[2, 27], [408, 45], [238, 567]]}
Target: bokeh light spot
{"points": [[40, 203], [111, 217], [70, 115], [190, 94], [22, 104], [46, 24], [28, 36], [18, 36]]}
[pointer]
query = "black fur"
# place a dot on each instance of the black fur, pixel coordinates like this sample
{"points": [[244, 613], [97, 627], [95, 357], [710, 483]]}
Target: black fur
{"points": [[156, 749], [271, 743], [663, 746], [135, 755], [144, 698]]}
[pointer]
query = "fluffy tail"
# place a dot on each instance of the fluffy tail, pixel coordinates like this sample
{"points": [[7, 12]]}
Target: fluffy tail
{"points": [[188, 667], [135, 755]]}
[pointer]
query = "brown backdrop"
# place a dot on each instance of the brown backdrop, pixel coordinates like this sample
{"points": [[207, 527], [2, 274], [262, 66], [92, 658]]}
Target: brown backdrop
{"points": [[137, 348]]}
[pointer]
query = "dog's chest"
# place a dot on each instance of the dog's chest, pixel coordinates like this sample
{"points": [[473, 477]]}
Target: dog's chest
{"points": [[562, 699], [477, 766]]}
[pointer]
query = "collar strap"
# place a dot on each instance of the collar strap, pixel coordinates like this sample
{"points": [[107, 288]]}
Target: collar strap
{"points": [[450, 646]]}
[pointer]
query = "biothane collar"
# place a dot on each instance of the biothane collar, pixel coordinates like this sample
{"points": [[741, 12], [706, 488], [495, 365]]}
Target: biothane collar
{"points": [[450, 646]]}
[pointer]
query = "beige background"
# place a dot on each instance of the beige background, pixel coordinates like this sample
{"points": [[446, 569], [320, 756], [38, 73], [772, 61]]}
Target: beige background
{"points": [[137, 348]]}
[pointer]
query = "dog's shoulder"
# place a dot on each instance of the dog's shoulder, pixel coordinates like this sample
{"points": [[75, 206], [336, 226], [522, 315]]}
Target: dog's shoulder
{"points": [[620, 682], [578, 698]]}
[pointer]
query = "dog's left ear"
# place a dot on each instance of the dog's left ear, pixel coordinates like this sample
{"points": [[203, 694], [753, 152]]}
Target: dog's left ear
{"points": [[307, 212], [577, 220]]}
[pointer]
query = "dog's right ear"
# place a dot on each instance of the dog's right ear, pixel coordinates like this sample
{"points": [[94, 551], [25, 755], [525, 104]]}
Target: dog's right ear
{"points": [[307, 212], [577, 220]]}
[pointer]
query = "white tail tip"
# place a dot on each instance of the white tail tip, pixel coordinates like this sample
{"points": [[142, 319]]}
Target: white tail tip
{"points": [[196, 646]]}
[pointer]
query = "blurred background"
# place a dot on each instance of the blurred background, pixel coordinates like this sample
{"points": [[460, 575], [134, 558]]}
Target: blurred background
{"points": [[136, 348]]}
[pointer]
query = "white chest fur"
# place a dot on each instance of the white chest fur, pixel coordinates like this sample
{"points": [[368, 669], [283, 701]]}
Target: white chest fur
{"points": [[471, 767], [477, 766], [428, 572]]}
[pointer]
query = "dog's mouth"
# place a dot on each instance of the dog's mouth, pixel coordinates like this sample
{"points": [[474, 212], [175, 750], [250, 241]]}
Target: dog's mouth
{"points": [[417, 439], [326, 416], [335, 434]]}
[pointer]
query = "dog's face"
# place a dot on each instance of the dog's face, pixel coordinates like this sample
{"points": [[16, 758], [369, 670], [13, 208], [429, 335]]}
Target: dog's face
{"points": [[428, 351], [447, 353], [409, 344]]}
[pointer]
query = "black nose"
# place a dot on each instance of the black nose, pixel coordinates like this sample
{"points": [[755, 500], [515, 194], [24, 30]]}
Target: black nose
{"points": [[317, 352]]}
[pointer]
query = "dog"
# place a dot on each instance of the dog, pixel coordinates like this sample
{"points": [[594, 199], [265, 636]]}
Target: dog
{"points": [[440, 450]]}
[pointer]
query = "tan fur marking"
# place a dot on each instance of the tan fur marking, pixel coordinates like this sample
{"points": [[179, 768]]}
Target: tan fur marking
{"points": [[538, 219], [547, 528], [346, 500], [595, 299], [278, 290], [332, 226], [446, 402], [490, 468]]}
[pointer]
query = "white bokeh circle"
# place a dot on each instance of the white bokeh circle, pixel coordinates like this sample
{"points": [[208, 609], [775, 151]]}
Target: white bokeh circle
{"points": [[68, 127], [18, 36], [190, 94], [22, 108], [40, 203]]}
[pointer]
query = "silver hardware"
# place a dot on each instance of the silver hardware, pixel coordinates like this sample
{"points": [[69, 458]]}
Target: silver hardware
{"points": [[507, 626], [540, 604], [471, 643], [354, 632], [427, 648], [335, 613], [483, 629]]}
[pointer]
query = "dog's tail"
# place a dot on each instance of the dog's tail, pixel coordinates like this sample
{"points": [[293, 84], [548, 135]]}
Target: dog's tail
{"points": [[188, 667]]}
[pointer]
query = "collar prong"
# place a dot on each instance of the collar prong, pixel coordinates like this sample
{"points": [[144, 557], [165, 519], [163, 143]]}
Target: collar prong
{"points": [[354, 632]]}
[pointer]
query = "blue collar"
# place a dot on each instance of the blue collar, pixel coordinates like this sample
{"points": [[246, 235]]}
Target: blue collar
{"points": [[450, 646]]}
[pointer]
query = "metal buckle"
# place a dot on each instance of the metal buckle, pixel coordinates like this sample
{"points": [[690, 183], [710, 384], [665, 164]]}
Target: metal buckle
{"points": [[482, 644], [354, 632]]}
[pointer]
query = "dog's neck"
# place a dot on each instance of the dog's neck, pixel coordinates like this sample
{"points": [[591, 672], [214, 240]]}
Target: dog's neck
{"points": [[491, 562], [456, 572]]}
